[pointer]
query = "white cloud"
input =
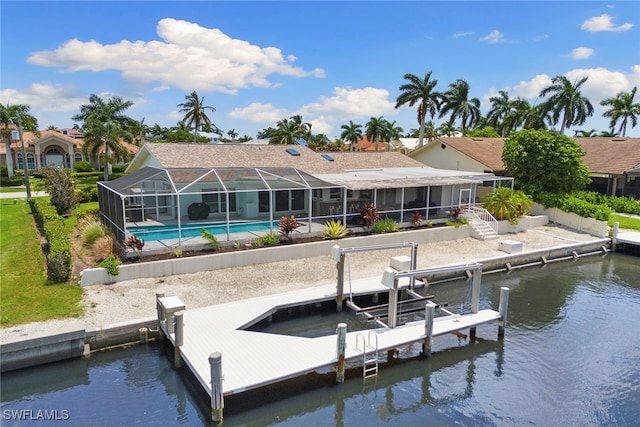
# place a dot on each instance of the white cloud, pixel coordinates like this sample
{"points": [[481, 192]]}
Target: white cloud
{"points": [[258, 112], [46, 97], [541, 37], [581, 53], [190, 57], [463, 34], [603, 23], [601, 84], [494, 36]]}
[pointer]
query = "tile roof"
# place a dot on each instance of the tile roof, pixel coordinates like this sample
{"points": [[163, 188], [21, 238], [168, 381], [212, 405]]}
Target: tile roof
{"points": [[610, 155], [241, 155], [363, 144], [31, 138], [487, 151]]}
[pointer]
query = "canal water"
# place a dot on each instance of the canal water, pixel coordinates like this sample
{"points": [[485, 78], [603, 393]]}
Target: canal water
{"points": [[570, 357]]}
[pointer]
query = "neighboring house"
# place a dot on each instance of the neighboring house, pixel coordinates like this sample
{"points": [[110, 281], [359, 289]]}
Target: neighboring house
{"points": [[182, 184], [51, 148], [471, 154], [614, 163]]}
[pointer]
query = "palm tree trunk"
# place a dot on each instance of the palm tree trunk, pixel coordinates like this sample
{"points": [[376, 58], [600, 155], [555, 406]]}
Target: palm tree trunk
{"points": [[106, 161], [421, 136]]}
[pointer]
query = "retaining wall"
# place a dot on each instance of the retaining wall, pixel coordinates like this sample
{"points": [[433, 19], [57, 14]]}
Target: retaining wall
{"points": [[574, 221], [243, 258], [20, 353]]}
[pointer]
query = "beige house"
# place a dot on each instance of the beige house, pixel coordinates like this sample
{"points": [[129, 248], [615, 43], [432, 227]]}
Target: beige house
{"points": [[614, 163], [62, 147], [172, 190]]}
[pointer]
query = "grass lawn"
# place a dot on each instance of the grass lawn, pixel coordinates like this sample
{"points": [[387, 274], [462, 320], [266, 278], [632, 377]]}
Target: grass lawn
{"points": [[25, 295], [626, 222]]}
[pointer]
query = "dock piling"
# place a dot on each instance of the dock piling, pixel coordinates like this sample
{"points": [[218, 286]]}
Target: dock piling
{"points": [[341, 333], [160, 314], [144, 335], [217, 399], [475, 298], [430, 311], [503, 307], [179, 339]]}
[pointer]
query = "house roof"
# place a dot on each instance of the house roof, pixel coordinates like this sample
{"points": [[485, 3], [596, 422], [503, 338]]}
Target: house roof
{"points": [[610, 155], [603, 155], [261, 156], [487, 151], [363, 144], [30, 138]]}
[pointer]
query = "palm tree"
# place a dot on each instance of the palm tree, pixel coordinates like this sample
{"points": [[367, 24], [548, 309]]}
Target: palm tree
{"points": [[108, 134], [423, 93], [52, 127], [96, 117], [138, 132], [567, 100], [287, 132], [232, 134], [304, 127], [458, 105], [622, 108], [352, 132], [585, 133], [195, 112], [375, 130], [501, 112], [446, 129], [608, 134], [9, 113], [392, 134]]}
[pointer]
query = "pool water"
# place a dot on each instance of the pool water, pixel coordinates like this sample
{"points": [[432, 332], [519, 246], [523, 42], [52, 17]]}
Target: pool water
{"points": [[165, 232]]}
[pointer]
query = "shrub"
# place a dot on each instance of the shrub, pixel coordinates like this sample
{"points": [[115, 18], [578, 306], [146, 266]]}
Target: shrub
{"points": [[369, 215], [507, 204], [104, 247], [4, 171], [59, 265], [385, 225], [269, 239], [111, 263], [210, 237], [455, 214], [288, 225], [134, 243], [58, 183], [87, 194], [334, 229], [92, 231], [416, 219], [177, 253], [82, 166]]}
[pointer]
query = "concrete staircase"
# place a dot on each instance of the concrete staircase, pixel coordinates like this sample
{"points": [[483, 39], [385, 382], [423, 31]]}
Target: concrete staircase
{"points": [[484, 225]]}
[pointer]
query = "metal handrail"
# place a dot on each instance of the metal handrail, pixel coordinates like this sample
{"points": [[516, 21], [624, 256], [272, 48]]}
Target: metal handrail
{"points": [[483, 215]]}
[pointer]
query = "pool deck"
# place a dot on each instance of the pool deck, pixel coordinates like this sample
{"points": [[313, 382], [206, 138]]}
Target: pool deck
{"points": [[254, 359]]}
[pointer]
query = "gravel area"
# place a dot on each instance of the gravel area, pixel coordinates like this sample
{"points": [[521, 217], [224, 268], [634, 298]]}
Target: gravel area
{"points": [[134, 299]]}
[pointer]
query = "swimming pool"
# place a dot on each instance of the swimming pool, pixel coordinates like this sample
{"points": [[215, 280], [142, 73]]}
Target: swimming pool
{"points": [[165, 232]]}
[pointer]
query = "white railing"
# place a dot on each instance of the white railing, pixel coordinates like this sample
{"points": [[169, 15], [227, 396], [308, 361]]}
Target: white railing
{"points": [[483, 215]]}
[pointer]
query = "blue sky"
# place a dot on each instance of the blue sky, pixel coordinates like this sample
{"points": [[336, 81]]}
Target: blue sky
{"points": [[331, 62]]}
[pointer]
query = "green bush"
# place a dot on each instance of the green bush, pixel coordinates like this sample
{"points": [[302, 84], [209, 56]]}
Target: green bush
{"points": [[59, 262], [334, 229], [112, 264], [16, 181], [82, 166], [269, 239], [385, 225], [87, 194], [118, 169], [4, 171], [506, 204]]}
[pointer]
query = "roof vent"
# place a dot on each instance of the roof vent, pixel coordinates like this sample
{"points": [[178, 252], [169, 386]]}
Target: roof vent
{"points": [[328, 157], [619, 139], [293, 151]]}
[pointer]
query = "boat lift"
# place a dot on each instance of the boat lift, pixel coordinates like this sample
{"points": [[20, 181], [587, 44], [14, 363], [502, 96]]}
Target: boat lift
{"points": [[339, 255]]}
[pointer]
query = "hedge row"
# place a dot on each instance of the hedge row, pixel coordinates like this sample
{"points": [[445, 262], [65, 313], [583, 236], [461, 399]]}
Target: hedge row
{"points": [[575, 203], [59, 262]]}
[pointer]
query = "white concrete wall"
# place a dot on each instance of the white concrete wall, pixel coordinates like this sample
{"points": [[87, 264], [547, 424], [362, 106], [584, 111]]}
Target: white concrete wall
{"points": [[574, 221], [524, 223], [211, 262]]}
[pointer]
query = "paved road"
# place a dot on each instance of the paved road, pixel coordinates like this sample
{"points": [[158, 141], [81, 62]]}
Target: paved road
{"points": [[21, 195]]}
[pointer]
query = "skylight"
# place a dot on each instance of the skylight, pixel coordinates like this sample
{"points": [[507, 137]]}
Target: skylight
{"points": [[328, 157], [293, 151]]}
